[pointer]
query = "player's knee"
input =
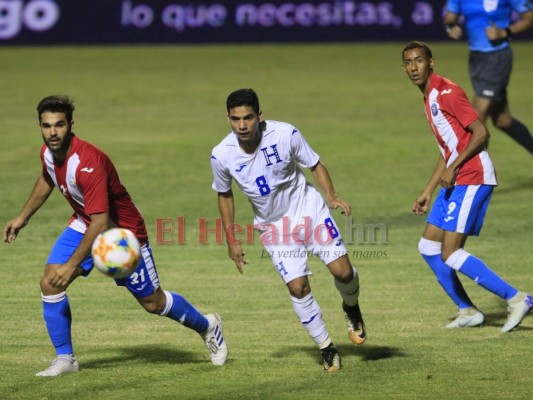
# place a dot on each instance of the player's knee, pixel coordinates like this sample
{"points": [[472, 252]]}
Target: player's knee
{"points": [[299, 290], [46, 288], [502, 124], [502, 121], [153, 304], [428, 247], [152, 308], [342, 269], [346, 275]]}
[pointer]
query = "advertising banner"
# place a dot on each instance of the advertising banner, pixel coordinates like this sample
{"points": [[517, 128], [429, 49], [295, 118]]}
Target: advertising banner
{"points": [[34, 22]]}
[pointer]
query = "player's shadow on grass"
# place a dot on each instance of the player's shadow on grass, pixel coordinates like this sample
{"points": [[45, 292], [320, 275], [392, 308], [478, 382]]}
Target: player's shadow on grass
{"points": [[366, 352], [144, 354]]}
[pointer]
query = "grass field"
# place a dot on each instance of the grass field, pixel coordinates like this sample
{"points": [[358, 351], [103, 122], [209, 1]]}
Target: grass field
{"points": [[158, 111]]}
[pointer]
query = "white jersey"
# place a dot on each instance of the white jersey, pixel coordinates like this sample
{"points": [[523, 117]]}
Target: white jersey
{"points": [[271, 177]]}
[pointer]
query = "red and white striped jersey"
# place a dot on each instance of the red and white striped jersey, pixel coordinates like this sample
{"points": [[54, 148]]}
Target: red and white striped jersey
{"points": [[90, 183], [449, 113]]}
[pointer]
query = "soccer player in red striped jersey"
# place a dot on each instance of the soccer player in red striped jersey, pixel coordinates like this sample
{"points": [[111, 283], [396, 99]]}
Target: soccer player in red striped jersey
{"points": [[466, 173], [88, 180]]}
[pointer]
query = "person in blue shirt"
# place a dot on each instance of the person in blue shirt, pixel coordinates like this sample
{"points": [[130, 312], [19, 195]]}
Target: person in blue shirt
{"points": [[489, 29]]}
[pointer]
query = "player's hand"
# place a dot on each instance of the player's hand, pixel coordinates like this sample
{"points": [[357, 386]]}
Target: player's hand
{"points": [[61, 277], [421, 205], [12, 229], [447, 180], [495, 34], [455, 32], [336, 202], [237, 255]]}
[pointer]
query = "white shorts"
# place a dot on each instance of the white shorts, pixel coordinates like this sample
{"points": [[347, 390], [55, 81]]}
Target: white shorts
{"points": [[308, 230]]}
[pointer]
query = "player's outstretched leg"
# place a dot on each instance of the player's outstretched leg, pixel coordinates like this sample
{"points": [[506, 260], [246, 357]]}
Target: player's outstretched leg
{"points": [[208, 326], [349, 292], [519, 306], [214, 340]]}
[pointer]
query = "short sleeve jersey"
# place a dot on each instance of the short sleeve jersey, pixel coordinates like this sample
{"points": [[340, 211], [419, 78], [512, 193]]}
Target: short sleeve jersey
{"points": [[449, 113], [90, 183], [271, 177], [478, 14]]}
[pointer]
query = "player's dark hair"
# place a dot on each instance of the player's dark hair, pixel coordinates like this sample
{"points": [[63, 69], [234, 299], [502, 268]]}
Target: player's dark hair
{"points": [[418, 45], [243, 97], [56, 104]]}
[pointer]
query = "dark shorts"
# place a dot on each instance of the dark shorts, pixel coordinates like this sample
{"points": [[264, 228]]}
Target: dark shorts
{"points": [[490, 73]]}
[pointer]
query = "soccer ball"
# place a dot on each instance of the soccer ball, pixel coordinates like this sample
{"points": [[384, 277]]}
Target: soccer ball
{"points": [[116, 252]]}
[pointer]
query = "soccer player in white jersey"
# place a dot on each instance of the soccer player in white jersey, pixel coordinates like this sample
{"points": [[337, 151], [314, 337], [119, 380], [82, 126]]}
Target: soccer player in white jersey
{"points": [[466, 173], [88, 180], [265, 158]]}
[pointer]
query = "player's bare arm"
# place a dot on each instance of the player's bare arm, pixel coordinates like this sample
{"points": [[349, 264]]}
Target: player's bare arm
{"points": [[38, 196], [423, 201], [453, 30], [478, 142], [524, 24], [322, 177], [65, 273], [226, 207]]}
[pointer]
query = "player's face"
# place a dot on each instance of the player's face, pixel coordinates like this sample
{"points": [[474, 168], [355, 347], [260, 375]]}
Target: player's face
{"points": [[56, 131], [244, 123], [418, 66]]}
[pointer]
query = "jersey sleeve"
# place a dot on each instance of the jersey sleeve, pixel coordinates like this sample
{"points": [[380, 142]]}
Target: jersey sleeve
{"points": [[453, 6], [304, 155], [95, 189], [521, 6], [457, 104], [222, 178]]}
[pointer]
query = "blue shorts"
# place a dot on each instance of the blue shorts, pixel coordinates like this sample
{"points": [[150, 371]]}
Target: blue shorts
{"points": [[461, 209], [141, 283]]}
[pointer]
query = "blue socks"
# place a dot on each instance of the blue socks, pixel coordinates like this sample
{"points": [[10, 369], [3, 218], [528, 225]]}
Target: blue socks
{"points": [[56, 312], [58, 319], [446, 276], [476, 270], [180, 310]]}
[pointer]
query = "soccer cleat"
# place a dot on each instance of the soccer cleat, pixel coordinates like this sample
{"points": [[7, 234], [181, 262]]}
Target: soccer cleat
{"points": [[517, 312], [214, 340], [64, 364], [331, 358], [354, 323], [467, 318]]}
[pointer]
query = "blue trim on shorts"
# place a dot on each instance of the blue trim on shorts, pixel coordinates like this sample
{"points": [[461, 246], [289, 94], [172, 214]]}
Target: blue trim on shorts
{"points": [[144, 280], [453, 212]]}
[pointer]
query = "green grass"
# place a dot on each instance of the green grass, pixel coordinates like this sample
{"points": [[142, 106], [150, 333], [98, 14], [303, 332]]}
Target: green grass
{"points": [[158, 111]]}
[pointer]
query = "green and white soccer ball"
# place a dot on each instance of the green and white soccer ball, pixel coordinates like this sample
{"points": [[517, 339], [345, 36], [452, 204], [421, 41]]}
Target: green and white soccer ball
{"points": [[116, 252]]}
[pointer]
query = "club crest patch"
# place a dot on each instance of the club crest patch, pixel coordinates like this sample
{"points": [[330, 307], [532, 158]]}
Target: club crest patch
{"points": [[434, 109], [490, 5]]}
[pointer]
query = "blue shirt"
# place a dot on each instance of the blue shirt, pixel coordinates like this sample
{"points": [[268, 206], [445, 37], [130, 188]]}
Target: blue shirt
{"points": [[479, 13]]}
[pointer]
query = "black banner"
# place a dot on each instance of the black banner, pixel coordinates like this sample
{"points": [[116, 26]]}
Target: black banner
{"points": [[166, 21]]}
